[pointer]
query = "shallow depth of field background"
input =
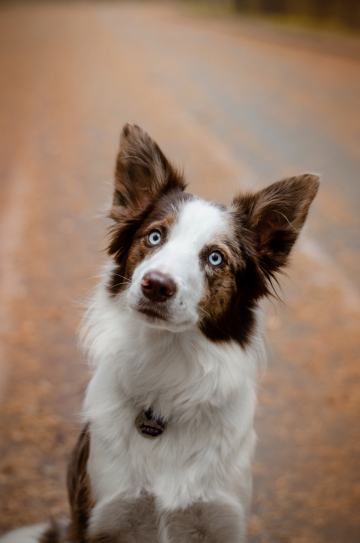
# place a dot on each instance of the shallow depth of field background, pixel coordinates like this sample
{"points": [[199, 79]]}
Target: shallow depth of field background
{"points": [[241, 93]]}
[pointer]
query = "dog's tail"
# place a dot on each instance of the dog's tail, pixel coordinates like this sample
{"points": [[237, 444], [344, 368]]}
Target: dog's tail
{"points": [[45, 532], [28, 534]]}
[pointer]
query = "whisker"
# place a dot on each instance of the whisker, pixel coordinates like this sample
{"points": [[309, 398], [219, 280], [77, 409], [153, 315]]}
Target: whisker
{"points": [[122, 277], [117, 285], [208, 314]]}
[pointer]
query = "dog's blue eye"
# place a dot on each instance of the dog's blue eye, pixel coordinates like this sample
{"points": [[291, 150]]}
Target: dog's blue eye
{"points": [[215, 258], [154, 237]]}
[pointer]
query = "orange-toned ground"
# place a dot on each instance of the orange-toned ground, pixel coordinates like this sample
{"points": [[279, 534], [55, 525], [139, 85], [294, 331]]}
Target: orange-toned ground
{"points": [[240, 105]]}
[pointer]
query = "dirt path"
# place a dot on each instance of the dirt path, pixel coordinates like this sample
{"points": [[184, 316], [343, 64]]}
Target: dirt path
{"points": [[239, 110]]}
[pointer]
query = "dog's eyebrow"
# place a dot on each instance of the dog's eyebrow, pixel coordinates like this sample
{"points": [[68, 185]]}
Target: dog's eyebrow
{"points": [[226, 244]]}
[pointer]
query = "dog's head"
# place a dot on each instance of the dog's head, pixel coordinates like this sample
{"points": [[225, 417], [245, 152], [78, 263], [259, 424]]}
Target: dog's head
{"points": [[185, 262]]}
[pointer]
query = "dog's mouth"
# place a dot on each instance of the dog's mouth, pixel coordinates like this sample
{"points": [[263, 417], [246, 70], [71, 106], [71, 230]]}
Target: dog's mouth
{"points": [[153, 311]]}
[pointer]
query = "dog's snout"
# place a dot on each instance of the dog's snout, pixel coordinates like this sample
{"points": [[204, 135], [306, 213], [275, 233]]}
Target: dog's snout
{"points": [[157, 287]]}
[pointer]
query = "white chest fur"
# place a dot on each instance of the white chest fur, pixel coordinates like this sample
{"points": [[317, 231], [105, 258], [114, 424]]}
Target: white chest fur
{"points": [[205, 391]]}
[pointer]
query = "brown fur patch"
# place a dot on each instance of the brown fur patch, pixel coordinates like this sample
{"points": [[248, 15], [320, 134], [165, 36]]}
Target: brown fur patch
{"points": [[55, 533], [206, 523], [79, 488], [222, 313]]}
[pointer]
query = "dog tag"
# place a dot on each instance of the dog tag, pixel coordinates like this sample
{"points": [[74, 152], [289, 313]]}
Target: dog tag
{"points": [[148, 425]]}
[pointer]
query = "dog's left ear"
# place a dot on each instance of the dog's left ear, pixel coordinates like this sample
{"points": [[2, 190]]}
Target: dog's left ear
{"points": [[142, 172], [274, 216]]}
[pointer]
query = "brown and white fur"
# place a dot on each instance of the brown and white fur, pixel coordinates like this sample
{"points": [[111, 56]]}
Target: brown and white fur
{"points": [[175, 325]]}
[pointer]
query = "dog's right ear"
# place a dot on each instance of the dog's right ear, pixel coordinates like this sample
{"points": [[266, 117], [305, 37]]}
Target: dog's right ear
{"points": [[142, 173]]}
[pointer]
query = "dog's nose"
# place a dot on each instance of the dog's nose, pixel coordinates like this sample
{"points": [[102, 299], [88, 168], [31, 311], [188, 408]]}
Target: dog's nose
{"points": [[157, 286]]}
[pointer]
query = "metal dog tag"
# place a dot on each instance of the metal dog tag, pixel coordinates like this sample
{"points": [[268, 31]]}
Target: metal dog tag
{"points": [[148, 425]]}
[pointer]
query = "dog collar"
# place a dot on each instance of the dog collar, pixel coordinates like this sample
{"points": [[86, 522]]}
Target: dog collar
{"points": [[148, 425]]}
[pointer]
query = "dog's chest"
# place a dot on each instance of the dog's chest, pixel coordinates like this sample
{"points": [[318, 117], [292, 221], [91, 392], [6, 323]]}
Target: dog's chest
{"points": [[191, 459], [206, 398], [129, 455]]}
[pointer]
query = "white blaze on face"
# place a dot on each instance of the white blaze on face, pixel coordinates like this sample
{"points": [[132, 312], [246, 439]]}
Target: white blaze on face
{"points": [[199, 224]]}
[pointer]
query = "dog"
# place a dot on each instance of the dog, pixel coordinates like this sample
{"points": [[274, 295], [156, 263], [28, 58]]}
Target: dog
{"points": [[174, 333]]}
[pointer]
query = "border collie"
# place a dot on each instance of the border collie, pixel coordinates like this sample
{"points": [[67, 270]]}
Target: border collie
{"points": [[175, 335]]}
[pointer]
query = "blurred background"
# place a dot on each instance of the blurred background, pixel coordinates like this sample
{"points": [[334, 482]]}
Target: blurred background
{"points": [[242, 93]]}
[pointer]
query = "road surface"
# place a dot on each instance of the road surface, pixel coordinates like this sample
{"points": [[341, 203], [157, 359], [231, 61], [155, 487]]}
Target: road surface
{"points": [[239, 106]]}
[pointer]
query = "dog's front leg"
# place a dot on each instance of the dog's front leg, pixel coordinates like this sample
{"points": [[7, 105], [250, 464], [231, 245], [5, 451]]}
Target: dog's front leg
{"points": [[205, 522], [124, 520]]}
